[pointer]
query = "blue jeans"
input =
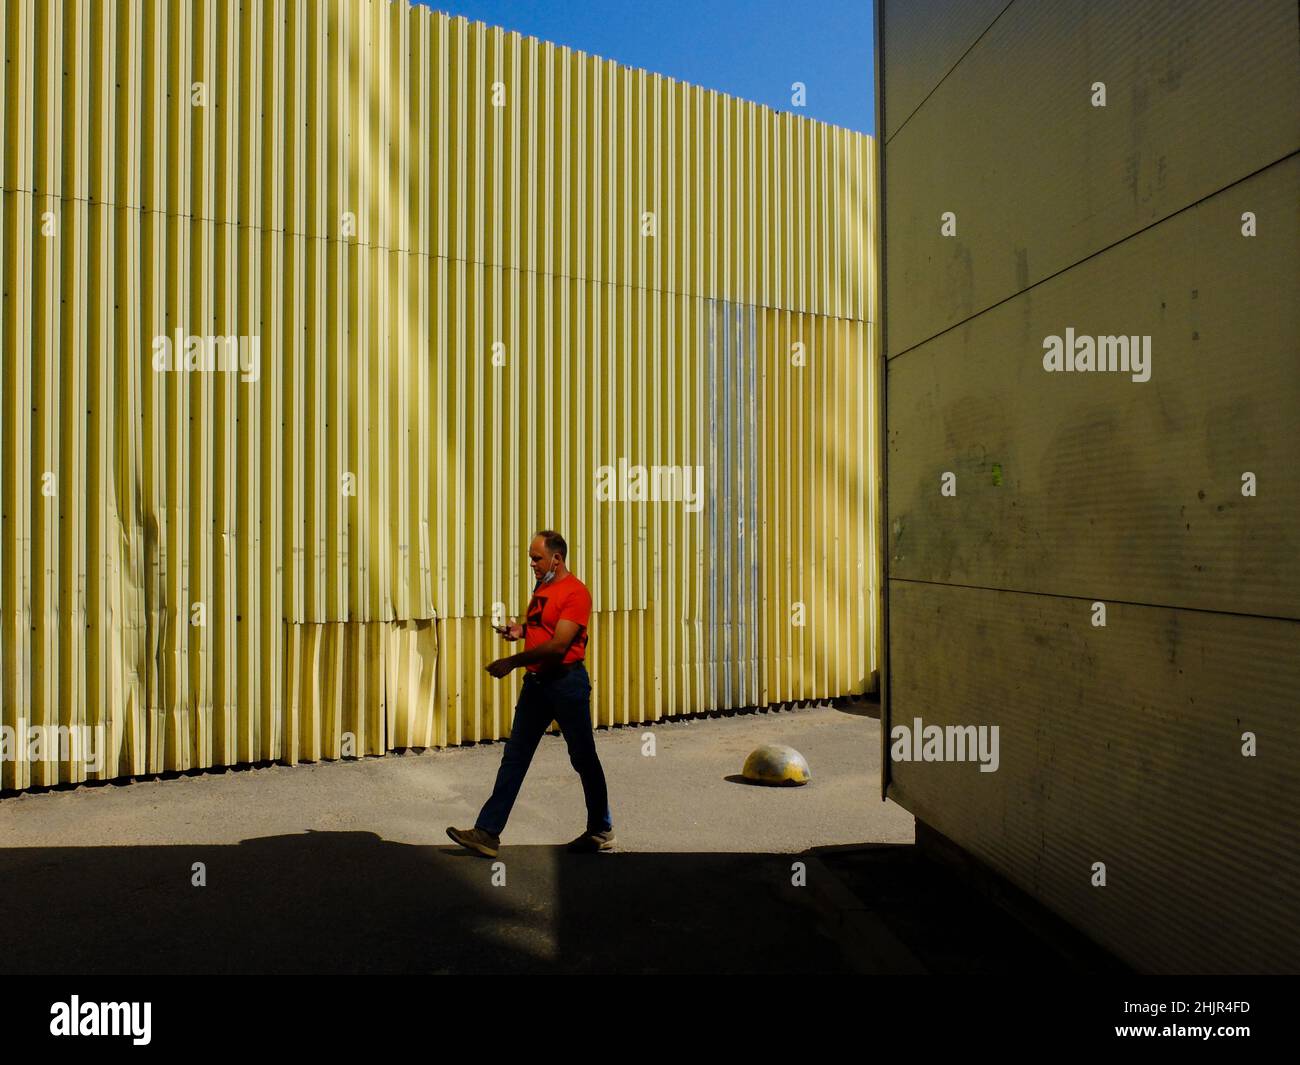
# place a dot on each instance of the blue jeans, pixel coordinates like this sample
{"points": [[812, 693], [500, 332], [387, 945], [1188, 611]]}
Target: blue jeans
{"points": [[565, 699]]}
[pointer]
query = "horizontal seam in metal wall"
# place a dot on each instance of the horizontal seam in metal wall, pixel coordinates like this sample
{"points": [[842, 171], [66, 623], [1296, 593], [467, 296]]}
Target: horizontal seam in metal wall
{"points": [[1100, 251], [1095, 599], [263, 231], [935, 88]]}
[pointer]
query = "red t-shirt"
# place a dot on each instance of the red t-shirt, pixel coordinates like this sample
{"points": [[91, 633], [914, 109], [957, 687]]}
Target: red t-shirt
{"points": [[564, 598]]}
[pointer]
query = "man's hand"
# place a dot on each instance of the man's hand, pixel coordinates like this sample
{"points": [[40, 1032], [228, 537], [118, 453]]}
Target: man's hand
{"points": [[512, 630], [551, 653]]}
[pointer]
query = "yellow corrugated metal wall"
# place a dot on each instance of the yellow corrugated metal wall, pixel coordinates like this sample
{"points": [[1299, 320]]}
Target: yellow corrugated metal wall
{"points": [[473, 268]]}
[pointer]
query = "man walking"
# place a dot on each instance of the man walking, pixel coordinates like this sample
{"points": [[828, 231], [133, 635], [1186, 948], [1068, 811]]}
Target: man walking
{"points": [[556, 688]]}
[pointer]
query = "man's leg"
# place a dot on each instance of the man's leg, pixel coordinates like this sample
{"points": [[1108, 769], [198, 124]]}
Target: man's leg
{"points": [[532, 716], [571, 707]]}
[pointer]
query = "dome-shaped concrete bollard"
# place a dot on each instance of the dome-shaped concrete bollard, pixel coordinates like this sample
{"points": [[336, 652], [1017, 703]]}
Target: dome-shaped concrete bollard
{"points": [[776, 764]]}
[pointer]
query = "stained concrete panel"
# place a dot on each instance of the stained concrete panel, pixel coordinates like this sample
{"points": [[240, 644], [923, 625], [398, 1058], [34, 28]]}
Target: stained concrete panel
{"points": [[1120, 745], [932, 35], [1111, 488], [1198, 95]]}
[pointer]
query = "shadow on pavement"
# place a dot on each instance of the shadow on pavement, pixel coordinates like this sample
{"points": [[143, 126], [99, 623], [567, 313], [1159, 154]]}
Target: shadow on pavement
{"points": [[334, 902], [349, 902], [948, 925]]}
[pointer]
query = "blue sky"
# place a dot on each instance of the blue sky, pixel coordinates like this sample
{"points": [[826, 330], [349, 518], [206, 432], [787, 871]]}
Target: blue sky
{"points": [[754, 49]]}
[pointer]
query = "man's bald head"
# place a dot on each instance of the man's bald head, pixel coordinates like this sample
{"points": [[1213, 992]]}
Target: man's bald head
{"points": [[552, 542], [548, 553]]}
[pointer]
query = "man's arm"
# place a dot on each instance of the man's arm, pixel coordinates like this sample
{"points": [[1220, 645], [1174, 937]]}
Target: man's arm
{"points": [[551, 652]]}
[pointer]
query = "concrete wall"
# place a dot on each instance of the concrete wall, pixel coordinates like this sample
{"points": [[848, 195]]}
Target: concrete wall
{"points": [[1119, 744]]}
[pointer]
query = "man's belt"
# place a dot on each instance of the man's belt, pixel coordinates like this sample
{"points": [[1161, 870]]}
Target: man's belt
{"points": [[558, 671]]}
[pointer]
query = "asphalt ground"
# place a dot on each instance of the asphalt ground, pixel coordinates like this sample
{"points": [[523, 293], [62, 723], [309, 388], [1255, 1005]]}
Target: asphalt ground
{"points": [[345, 866]]}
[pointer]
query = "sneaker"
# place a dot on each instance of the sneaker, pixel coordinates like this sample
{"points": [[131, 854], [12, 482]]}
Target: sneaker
{"points": [[591, 842], [476, 839]]}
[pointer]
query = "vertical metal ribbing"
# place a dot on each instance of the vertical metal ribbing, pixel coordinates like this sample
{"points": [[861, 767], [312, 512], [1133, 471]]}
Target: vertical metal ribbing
{"points": [[15, 434], [731, 504], [715, 476], [727, 501], [472, 222], [749, 402]]}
